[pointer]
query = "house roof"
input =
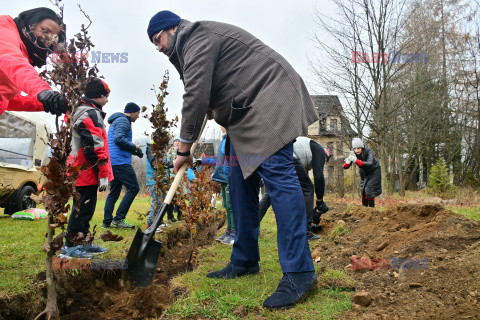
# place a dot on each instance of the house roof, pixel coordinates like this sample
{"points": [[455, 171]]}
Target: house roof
{"points": [[327, 104], [331, 106]]}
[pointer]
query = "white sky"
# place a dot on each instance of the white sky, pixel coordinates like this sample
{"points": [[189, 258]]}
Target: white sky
{"points": [[120, 26]]}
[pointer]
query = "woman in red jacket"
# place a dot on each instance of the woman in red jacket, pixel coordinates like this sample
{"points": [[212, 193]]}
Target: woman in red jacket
{"points": [[25, 42]]}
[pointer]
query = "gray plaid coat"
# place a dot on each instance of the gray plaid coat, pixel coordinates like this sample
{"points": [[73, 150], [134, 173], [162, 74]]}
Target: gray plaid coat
{"points": [[253, 91]]}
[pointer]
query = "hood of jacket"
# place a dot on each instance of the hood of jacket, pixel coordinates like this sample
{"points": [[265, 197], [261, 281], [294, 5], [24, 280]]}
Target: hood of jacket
{"points": [[117, 115]]}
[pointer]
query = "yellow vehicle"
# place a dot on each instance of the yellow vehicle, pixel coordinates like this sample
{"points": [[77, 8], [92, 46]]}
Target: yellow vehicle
{"points": [[23, 145]]}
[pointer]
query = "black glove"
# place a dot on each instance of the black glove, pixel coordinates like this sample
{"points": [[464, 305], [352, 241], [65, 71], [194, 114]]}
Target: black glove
{"points": [[197, 163], [138, 152], [53, 102], [320, 209]]}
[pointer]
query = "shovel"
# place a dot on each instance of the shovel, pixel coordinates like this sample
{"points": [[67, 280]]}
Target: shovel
{"points": [[144, 251]]}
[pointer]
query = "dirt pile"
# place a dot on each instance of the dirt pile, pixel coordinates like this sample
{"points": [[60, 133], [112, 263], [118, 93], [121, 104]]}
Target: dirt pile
{"points": [[432, 255]]}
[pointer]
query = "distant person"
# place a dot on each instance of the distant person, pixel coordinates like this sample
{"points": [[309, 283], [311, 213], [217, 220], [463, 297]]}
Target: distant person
{"points": [[121, 150], [89, 149], [370, 171], [233, 77], [170, 159], [307, 154], [221, 175], [25, 43], [151, 183]]}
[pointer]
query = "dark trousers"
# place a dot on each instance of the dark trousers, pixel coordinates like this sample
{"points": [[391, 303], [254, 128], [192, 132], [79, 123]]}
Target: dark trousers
{"points": [[79, 221], [368, 202], [318, 164], [124, 175], [281, 183]]}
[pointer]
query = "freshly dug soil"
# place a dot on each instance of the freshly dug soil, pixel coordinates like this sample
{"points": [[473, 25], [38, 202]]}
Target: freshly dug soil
{"points": [[100, 294], [434, 255]]}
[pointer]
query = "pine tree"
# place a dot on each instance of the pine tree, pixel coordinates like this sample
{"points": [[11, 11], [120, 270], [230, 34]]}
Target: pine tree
{"points": [[439, 179]]}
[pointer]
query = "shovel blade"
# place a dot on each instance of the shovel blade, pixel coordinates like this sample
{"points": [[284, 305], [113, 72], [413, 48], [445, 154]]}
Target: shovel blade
{"points": [[143, 254], [139, 272]]}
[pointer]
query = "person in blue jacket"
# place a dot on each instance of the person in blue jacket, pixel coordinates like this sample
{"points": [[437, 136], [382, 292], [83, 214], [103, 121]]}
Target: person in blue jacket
{"points": [[221, 175], [121, 149], [150, 183]]}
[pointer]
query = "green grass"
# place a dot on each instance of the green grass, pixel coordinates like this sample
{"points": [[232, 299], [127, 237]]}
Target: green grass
{"points": [[217, 299], [469, 212], [339, 231], [21, 242]]}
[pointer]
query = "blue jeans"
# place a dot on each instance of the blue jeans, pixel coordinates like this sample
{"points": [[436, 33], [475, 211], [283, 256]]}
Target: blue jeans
{"points": [[159, 205], [124, 175], [281, 183]]}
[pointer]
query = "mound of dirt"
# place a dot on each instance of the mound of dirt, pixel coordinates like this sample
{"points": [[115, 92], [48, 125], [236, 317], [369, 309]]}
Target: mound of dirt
{"points": [[432, 255]]}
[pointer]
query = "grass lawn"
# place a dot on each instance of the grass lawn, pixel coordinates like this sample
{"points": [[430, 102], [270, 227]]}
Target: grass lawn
{"points": [[21, 242], [218, 299], [22, 259]]}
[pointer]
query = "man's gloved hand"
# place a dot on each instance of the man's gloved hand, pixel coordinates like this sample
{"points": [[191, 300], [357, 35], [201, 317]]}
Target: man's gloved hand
{"points": [[138, 152], [53, 102], [103, 184], [320, 209]]}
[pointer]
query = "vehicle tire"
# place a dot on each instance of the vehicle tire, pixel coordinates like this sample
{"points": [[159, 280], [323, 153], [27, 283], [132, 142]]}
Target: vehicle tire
{"points": [[20, 200]]}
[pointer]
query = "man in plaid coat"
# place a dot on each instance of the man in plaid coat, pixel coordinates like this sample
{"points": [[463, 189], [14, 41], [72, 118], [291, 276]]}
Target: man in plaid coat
{"points": [[263, 103]]}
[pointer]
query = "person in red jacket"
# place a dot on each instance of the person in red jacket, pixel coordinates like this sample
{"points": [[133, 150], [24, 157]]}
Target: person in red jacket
{"points": [[25, 43], [90, 147]]}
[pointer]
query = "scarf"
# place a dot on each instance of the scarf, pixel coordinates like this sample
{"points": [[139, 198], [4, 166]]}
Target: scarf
{"points": [[37, 52]]}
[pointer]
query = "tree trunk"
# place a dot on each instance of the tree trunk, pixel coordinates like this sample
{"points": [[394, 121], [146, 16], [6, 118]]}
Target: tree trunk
{"points": [[340, 182], [51, 309]]}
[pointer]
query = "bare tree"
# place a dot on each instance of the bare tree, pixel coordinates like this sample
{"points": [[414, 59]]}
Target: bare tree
{"points": [[353, 61]]}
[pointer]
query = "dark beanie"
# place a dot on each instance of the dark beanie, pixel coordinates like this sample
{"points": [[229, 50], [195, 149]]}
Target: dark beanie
{"points": [[131, 108], [96, 88], [162, 20]]}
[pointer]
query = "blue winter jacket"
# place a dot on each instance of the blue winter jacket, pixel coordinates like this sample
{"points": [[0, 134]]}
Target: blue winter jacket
{"points": [[221, 165], [120, 143], [150, 172]]}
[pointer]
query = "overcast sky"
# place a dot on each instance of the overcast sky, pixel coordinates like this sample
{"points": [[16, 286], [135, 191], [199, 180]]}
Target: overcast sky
{"points": [[120, 27]]}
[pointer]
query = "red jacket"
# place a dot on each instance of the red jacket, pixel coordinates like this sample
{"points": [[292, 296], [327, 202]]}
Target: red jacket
{"points": [[16, 72], [90, 144]]}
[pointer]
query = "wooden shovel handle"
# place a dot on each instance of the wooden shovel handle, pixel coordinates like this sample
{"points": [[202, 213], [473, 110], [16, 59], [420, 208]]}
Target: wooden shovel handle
{"points": [[181, 171]]}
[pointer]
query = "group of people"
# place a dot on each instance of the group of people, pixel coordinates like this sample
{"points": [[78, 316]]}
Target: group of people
{"points": [[229, 76]]}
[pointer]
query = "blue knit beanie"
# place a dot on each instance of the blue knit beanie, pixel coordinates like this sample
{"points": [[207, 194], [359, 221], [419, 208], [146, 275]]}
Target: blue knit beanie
{"points": [[131, 108], [162, 20]]}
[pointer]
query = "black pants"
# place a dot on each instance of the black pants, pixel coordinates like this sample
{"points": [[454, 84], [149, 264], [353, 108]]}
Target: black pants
{"points": [[318, 163], [79, 221], [124, 175], [368, 202]]}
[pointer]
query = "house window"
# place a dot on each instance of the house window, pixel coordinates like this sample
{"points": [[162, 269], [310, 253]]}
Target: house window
{"points": [[330, 147], [333, 125], [322, 123]]}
